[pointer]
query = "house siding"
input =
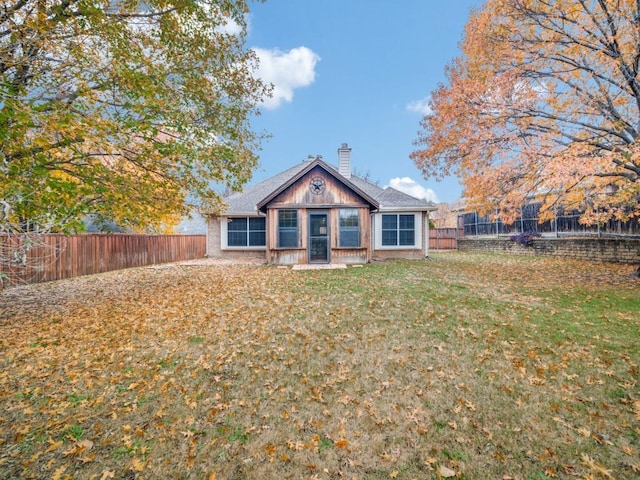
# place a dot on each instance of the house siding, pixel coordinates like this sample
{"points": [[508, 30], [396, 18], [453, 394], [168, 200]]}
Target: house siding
{"points": [[214, 243], [421, 248], [317, 187], [381, 255], [213, 237], [334, 197], [337, 254], [335, 193]]}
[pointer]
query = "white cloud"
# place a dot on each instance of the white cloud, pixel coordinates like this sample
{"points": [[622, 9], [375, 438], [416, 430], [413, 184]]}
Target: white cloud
{"points": [[413, 188], [421, 106], [286, 71], [230, 27]]}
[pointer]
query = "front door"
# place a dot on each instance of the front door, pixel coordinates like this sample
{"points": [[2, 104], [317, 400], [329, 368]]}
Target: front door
{"points": [[319, 237]]}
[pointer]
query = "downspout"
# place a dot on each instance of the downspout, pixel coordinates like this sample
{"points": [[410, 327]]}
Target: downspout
{"points": [[426, 231], [372, 241]]}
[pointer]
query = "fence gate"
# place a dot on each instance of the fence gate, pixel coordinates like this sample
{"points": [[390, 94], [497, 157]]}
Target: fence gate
{"points": [[443, 239]]}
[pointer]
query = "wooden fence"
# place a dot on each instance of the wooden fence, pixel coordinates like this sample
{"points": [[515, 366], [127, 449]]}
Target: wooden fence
{"points": [[44, 258], [443, 238]]}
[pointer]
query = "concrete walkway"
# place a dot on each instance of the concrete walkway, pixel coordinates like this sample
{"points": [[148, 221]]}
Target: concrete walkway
{"points": [[319, 266]]}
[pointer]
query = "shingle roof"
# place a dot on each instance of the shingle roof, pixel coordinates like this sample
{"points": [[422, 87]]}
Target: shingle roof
{"points": [[245, 203], [392, 198]]}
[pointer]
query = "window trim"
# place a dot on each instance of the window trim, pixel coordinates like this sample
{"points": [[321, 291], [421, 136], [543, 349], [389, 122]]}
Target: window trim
{"points": [[349, 228], [224, 233], [288, 229], [417, 229]]}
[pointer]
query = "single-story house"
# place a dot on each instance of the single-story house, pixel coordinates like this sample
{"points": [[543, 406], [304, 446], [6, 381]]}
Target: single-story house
{"points": [[317, 213]]}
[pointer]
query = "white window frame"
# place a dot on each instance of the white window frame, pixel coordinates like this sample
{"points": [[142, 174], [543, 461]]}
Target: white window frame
{"points": [[224, 234], [418, 231]]}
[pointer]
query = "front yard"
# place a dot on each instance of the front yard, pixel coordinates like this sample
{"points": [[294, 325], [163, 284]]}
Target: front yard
{"points": [[467, 366]]}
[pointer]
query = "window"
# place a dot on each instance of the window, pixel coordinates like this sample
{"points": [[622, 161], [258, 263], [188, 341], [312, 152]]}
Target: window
{"points": [[246, 232], [398, 230], [288, 228], [349, 227]]}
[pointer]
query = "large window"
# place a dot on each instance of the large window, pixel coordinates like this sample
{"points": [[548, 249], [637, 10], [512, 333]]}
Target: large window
{"points": [[246, 232], [288, 228], [398, 230], [349, 227]]}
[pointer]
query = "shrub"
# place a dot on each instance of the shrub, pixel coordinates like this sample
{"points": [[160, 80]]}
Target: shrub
{"points": [[525, 238]]}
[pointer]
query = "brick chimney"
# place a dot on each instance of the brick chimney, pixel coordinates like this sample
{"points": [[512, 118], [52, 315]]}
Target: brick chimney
{"points": [[344, 161]]}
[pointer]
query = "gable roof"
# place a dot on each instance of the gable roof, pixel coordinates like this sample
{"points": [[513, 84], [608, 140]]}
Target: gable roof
{"points": [[310, 165], [257, 196], [244, 203]]}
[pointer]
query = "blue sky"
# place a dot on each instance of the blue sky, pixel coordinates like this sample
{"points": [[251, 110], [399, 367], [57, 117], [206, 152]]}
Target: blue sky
{"points": [[356, 72]]}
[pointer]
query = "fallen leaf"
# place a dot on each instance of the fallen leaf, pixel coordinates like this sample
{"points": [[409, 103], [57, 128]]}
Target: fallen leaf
{"points": [[445, 472], [107, 474], [584, 432], [342, 443], [138, 464], [54, 446], [628, 450], [58, 473], [595, 467]]}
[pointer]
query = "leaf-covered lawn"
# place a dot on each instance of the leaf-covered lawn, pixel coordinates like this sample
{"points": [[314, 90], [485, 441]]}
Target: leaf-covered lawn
{"points": [[475, 366]]}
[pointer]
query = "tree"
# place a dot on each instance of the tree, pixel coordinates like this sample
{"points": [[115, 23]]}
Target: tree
{"points": [[544, 103], [123, 109]]}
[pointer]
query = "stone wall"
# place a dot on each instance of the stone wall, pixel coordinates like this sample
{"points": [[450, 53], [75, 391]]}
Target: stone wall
{"points": [[616, 250]]}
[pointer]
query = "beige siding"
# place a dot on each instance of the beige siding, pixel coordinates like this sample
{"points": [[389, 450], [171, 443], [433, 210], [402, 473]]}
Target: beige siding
{"points": [[214, 243], [213, 237], [422, 251], [379, 255]]}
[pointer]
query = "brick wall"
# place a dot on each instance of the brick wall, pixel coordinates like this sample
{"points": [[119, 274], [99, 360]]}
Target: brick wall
{"points": [[380, 255], [616, 250], [213, 237], [213, 244]]}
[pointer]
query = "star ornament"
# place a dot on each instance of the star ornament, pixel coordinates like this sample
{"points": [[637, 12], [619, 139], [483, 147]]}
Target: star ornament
{"points": [[317, 185]]}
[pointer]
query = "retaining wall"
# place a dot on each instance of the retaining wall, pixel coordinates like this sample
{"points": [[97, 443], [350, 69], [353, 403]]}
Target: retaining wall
{"points": [[612, 250]]}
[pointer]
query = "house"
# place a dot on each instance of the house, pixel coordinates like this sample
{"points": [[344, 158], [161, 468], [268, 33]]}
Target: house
{"points": [[317, 213]]}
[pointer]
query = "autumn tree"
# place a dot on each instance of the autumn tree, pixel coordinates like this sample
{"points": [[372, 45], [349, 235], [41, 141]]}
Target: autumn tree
{"points": [[544, 102], [126, 110]]}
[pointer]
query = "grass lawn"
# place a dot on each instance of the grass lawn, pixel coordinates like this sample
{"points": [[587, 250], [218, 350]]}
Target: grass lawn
{"points": [[464, 366]]}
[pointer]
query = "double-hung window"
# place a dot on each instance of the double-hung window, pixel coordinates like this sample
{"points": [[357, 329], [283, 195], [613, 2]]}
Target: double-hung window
{"points": [[246, 232], [349, 227], [398, 230], [288, 228]]}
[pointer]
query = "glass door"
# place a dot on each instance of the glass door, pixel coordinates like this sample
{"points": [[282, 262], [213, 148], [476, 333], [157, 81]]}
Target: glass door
{"points": [[319, 237]]}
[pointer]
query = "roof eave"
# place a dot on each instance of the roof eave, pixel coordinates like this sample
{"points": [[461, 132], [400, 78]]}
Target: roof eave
{"points": [[425, 208], [252, 213], [265, 201]]}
